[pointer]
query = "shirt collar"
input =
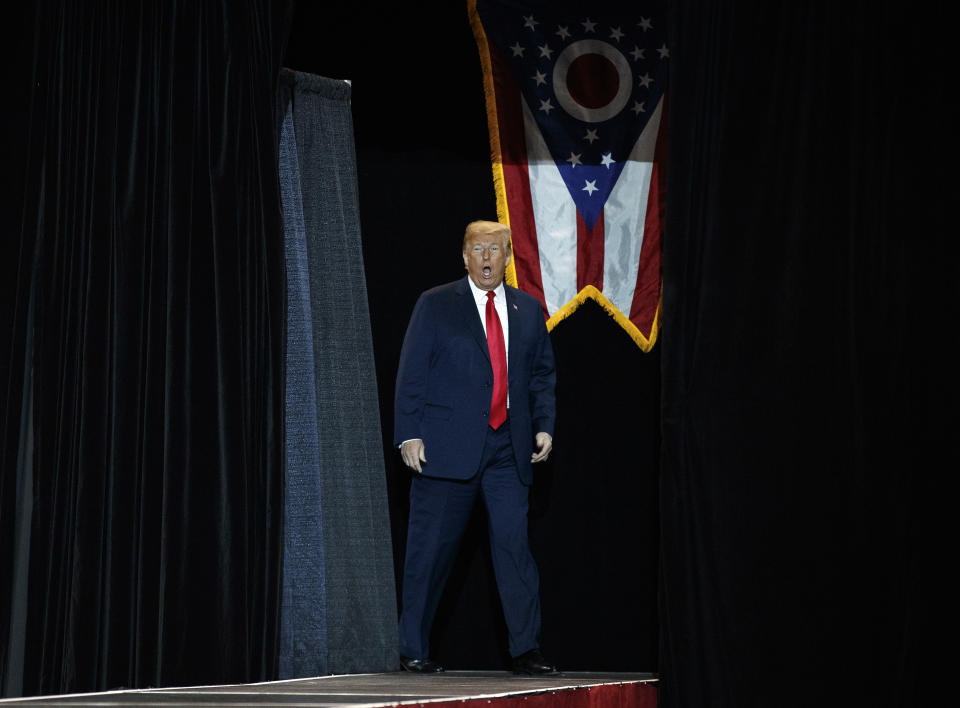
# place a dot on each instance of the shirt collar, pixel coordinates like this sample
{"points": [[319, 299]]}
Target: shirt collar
{"points": [[480, 296]]}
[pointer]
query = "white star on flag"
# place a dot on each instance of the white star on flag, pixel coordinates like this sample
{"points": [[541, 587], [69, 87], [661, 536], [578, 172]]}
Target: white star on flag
{"points": [[530, 22], [517, 50], [546, 106], [574, 159], [607, 160], [591, 186], [590, 136], [588, 26]]}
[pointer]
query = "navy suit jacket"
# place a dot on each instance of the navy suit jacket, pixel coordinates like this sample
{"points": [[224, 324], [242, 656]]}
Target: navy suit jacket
{"points": [[445, 380]]}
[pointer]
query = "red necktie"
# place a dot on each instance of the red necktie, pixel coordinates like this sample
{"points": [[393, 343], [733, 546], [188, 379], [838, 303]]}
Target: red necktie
{"points": [[498, 357]]}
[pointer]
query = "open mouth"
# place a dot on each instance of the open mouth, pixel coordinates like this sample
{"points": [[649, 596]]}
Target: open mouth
{"points": [[487, 271]]}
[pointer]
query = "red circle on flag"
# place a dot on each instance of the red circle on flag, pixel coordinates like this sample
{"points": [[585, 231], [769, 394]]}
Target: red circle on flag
{"points": [[592, 80]]}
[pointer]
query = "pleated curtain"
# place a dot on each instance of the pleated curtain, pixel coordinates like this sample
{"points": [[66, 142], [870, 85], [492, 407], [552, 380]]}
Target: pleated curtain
{"points": [[338, 611], [141, 322]]}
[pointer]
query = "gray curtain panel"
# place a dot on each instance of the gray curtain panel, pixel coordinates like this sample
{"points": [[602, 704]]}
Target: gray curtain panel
{"points": [[338, 612]]}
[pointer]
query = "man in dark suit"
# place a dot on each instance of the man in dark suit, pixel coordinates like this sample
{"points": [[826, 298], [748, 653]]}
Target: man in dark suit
{"points": [[474, 409]]}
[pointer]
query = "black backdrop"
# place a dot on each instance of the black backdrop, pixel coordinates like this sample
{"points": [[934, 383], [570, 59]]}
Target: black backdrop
{"points": [[808, 391]]}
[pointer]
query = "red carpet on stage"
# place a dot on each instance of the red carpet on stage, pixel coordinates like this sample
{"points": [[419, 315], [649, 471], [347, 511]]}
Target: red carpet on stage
{"points": [[609, 695]]}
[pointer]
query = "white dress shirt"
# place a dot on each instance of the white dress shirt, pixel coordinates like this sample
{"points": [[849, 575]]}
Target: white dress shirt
{"points": [[499, 302]]}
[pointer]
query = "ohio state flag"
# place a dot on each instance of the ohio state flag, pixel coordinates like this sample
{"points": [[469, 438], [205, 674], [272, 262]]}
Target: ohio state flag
{"points": [[576, 105]]}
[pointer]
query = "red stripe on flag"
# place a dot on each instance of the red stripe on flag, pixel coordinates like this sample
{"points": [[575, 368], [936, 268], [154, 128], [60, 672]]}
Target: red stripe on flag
{"points": [[589, 254], [516, 178], [646, 295]]}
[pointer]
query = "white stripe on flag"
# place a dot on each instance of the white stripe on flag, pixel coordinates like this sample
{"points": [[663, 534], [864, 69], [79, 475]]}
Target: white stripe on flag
{"points": [[556, 218], [625, 216]]}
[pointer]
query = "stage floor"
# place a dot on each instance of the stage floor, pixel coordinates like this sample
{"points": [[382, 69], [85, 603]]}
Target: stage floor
{"points": [[355, 690]]}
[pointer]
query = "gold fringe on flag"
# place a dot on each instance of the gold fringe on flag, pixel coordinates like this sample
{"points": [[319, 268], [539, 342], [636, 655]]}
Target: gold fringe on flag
{"points": [[496, 156], [591, 293]]}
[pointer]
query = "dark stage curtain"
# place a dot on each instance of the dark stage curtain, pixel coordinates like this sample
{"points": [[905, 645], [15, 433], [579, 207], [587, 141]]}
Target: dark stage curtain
{"points": [[141, 393], [339, 611], [809, 309]]}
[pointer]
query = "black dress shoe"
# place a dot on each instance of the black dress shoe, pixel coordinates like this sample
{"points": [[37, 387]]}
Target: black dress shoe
{"points": [[420, 666], [532, 663]]}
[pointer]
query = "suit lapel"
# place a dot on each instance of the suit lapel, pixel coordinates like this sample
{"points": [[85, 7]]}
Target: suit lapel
{"points": [[513, 319], [470, 314]]}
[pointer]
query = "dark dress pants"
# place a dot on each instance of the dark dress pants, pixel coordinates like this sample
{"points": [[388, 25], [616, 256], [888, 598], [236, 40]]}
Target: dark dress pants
{"points": [[439, 511]]}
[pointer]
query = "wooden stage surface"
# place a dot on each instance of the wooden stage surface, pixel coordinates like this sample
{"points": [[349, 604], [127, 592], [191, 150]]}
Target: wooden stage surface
{"points": [[358, 690]]}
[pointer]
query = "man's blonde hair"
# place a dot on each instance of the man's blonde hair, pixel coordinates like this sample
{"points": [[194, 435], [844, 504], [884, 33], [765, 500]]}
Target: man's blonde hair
{"points": [[490, 227]]}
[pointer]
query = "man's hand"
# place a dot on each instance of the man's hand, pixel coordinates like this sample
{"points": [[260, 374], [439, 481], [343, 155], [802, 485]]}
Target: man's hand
{"points": [[412, 453], [544, 446]]}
